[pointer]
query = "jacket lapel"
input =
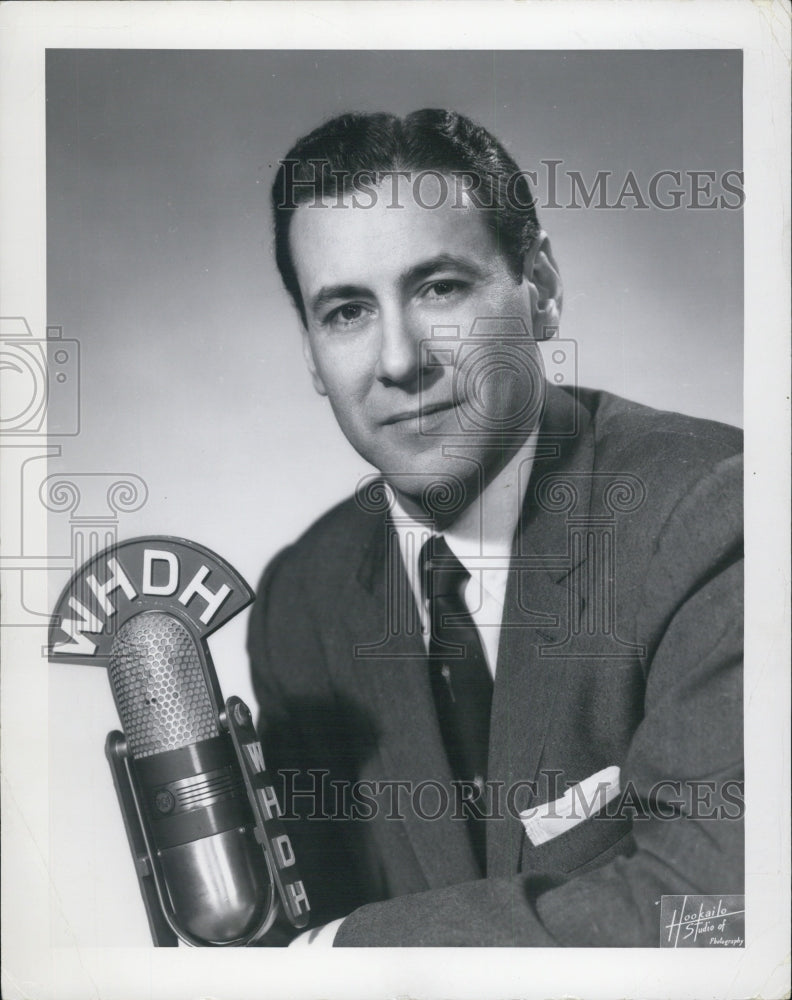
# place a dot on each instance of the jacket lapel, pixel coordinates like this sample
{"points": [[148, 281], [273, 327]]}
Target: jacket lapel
{"points": [[389, 672], [540, 598]]}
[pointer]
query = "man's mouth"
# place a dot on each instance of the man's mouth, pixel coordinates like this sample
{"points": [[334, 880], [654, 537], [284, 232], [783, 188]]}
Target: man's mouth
{"points": [[419, 413]]}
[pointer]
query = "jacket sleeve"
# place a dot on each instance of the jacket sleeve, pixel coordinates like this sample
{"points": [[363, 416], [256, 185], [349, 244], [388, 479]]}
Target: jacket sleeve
{"points": [[683, 769], [305, 733]]}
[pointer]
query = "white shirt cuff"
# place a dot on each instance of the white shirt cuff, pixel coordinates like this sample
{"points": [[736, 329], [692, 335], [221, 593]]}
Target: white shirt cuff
{"points": [[322, 937]]}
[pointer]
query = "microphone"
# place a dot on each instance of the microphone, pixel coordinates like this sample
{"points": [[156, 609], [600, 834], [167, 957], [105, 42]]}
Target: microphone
{"points": [[191, 792], [202, 818]]}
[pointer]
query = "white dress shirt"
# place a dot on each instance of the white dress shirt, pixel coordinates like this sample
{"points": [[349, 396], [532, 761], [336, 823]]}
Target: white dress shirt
{"points": [[481, 539]]}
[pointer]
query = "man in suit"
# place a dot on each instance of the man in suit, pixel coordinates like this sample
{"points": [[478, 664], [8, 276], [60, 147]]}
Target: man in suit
{"points": [[501, 684]]}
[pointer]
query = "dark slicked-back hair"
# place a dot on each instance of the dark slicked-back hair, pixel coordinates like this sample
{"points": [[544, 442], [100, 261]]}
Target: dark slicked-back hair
{"points": [[330, 161]]}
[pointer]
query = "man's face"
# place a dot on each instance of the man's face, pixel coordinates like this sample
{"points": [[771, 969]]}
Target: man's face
{"points": [[418, 402]]}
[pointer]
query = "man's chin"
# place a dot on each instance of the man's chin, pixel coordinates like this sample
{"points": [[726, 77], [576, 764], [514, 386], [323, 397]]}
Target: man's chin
{"points": [[441, 496]]}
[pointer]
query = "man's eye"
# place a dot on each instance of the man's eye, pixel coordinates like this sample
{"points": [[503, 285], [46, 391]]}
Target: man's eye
{"points": [[443, 289], [349, 314]]}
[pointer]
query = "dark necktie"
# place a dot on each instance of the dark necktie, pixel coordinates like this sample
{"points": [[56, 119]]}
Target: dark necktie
{"points": [[461, 681]]}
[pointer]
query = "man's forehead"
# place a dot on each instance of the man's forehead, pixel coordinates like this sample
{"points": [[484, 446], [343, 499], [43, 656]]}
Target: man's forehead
{"points": [[389, 224]]}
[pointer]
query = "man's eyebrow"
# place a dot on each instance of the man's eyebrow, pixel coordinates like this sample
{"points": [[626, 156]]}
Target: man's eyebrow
{"points": [[441, 262], [329, 293]]}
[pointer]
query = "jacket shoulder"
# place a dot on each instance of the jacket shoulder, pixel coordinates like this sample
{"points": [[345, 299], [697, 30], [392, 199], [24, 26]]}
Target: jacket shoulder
{"points": [[688, 474], [329, 549], [673, 448]]}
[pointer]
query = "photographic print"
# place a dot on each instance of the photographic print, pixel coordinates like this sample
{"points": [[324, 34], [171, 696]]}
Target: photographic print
{"points": [[374, 453]]}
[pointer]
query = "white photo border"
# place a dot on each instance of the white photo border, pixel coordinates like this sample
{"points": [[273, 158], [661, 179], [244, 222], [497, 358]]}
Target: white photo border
{"points": [[31, 968]]}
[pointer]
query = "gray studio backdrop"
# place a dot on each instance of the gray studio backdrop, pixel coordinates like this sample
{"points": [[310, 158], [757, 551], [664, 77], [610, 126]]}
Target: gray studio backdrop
{"points": [[160, 264]]}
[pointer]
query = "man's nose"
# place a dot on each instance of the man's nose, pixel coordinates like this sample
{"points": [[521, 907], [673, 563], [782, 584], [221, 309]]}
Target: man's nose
{"points": [[398, 362]]}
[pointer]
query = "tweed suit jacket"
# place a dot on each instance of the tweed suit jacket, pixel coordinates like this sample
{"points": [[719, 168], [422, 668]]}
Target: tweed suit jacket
{"points": [[620, 646]]}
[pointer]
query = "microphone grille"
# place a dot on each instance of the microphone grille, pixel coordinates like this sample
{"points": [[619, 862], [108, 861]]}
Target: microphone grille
{"points": [[158, 685]]}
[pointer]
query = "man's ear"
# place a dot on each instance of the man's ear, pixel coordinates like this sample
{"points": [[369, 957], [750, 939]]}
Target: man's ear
{"points": [[544, 279], [316, 378]]}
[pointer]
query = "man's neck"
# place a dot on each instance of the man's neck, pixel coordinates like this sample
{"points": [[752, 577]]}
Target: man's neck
{"points": [[495, 487], [491, 514]]}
